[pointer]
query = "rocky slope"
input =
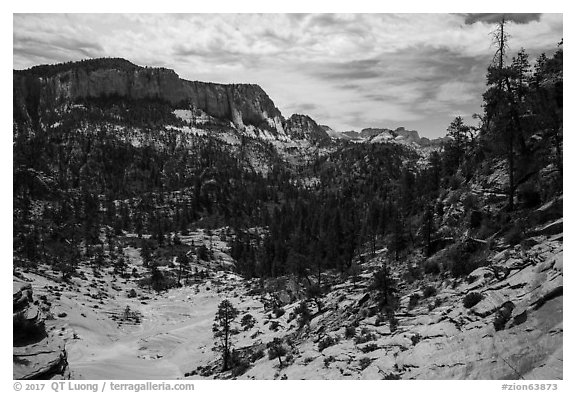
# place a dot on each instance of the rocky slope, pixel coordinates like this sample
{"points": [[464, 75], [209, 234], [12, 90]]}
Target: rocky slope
{"points": [[515, 331]]}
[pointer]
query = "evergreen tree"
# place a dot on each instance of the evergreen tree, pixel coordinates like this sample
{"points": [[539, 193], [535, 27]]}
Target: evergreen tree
{"points": [[222, 330], [183, 265], [146, 253]]}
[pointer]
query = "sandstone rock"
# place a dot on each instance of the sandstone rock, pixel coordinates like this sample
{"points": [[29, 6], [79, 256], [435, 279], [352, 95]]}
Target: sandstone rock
{"points": [[36, 354], [42, 360], [489, 304], [302, 127], [21, 295], [243, 104], [552, 228], [547, 212]]}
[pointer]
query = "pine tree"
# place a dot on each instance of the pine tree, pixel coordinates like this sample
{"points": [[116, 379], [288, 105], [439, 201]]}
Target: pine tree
{"points": [[146, 253], [183, 265], [156, 277], [222, 329]]}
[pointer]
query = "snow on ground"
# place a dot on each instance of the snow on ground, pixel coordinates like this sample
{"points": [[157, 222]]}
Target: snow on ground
{"points": [[173, 335]]}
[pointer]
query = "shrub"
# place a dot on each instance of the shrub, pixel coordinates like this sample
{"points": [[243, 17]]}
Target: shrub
{"points": [[413, 301], [471, 299], [364, 362], [132, 293], [392, 377], [248, 322], [240, 368], [259, 354], [475, 219], [503, 315], [528, 195], [463, 258], [274, 325], [278, 312], [276, 350], [432, 267], [303, 313], [516, 234], [380, 319], [385, 286], [470, 201], [238, 365], [429, 291], [416, 338], [326, 342], [328, 360], [369, 348], [365, 337], [437, 303], [413, 273], [454, 183], [203, 253], [350, 332]]}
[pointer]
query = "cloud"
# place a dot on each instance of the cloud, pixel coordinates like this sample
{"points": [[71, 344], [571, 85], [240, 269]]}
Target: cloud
{"points": [[344, 70], [495, 18], [349, 70], [306, 107]]}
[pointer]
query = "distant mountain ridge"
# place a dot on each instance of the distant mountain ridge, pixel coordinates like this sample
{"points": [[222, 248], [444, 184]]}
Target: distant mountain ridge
{"points": [[42, 88], [381, 135]]}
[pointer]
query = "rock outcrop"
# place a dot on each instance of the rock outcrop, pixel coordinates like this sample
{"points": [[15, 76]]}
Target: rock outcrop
{"points": [[372, 132], [36, 354], [35, 90], [302, 127]]}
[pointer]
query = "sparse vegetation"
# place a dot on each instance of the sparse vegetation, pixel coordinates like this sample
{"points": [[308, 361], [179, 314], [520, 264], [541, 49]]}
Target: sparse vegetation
{"points": [[369, 348], [276, 350], [428, 291], [413, 302], [364, 362], [471, 299], [365, 336], [326, 342], [350, 332], [247, 322]]}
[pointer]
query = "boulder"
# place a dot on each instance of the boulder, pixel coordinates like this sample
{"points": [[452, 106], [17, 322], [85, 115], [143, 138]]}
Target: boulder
{"points": [[552, 210], [43, 360], [552, 228], [36, 354]]}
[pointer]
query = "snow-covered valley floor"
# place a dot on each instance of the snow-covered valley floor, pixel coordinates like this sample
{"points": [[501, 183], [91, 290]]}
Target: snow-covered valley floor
{"points": [[168, 335]]}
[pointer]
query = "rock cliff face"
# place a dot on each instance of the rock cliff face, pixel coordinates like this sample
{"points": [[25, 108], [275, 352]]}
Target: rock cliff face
{"points": [[36, 354], [302, 127], [372, 132], [243, 104], [411, 136]]}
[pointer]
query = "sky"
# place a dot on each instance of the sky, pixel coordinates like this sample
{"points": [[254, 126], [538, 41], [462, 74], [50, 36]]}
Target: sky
{"points": [[347, 71]]}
